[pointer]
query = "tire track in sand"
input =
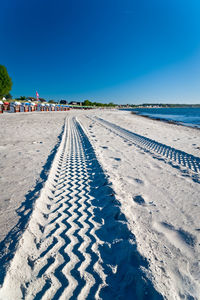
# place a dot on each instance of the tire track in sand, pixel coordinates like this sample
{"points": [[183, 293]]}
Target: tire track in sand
{"points": [[176, 158], [77, 244]]}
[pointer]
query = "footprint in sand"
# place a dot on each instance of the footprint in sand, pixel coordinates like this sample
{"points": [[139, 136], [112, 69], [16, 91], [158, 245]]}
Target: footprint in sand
{"points": [[180, 238], [139, 200], [116, 158], [139, 181]]}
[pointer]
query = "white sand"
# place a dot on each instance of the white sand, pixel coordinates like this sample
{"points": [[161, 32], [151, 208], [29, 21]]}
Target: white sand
{"points": [[77, 242], [27, 140]]}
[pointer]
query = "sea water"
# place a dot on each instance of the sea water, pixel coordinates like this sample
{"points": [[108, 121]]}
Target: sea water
{"points": [[185, 116]]}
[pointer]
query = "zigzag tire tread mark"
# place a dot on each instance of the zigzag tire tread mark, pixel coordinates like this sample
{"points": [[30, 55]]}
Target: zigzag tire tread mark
{"points": [[60, 261]]}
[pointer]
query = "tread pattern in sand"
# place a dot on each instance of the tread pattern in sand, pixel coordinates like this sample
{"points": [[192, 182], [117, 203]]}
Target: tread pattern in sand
{"points": [[180, 158], [77, 244]]}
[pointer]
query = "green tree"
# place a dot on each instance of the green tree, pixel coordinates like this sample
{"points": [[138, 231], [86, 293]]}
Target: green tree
{"points": [[8, 96], [87, 103], [5, 81]]}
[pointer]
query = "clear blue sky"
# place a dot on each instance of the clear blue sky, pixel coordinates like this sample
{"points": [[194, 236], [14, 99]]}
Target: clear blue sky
{"points": [[125, 51]]}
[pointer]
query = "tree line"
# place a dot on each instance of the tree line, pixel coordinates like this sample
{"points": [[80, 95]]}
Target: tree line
{"points": [[163, 105], [97, 104]]}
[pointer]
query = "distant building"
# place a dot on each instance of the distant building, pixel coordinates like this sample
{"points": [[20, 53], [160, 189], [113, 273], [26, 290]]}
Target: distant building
{"points": [[75, 103]]}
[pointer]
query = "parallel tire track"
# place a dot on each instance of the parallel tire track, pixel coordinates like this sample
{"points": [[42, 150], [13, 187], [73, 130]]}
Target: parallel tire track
{"points": [[178, 157], [76, 246]]}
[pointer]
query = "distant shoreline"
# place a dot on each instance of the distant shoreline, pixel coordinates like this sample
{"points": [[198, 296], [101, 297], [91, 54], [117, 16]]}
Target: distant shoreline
{"points": [[166, 120], [150, 106]]}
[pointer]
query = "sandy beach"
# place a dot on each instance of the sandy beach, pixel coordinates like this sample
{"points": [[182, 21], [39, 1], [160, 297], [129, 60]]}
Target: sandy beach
{"points": [[99, 204]]}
